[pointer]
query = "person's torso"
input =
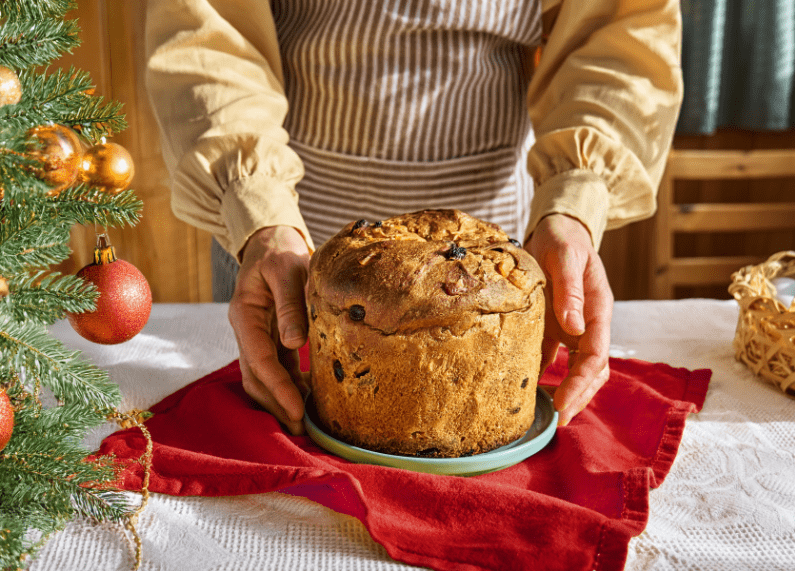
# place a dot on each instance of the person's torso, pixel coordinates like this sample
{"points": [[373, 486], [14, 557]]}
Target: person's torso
{"points": [[418, 93]]}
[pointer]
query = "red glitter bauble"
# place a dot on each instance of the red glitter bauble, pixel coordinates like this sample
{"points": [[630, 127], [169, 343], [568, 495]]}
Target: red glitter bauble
{"points": [[124, 304], [6, 419]]}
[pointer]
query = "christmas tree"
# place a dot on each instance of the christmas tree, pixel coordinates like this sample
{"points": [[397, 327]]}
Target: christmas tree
{"points": [[50, 396]]}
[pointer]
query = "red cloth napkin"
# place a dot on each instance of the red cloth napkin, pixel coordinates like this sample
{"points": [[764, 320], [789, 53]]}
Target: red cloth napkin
{"points": [[572, 506]]}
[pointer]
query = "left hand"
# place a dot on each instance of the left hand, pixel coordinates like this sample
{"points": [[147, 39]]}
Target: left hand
{"points": [[580, 310], [268, 316]]}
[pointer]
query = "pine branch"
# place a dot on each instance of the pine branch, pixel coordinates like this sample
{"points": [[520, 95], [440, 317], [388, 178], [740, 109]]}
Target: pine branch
{"points": [[21, 544], [62, 481], [29, 347], [63, 425], [47, 460], [81, 204], [96, 118], [44, 502], [37, 9], [23, 208], [34, 245], [15, 541], [102, 505], [25, 45], [26, 210], [62, 97], [17, 170], [45, 479], [21, 187], [45, 299]]}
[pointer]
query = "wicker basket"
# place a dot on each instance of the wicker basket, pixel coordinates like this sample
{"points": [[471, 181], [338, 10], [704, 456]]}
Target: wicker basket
{"points": [[765, 337]]}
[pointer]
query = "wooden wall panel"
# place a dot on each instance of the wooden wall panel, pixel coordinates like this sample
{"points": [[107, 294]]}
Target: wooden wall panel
{"points": [[626, 254], [172, 255]]}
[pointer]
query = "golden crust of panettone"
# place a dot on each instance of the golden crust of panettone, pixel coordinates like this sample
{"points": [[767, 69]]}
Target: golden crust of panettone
{"points": [[425, 335]]}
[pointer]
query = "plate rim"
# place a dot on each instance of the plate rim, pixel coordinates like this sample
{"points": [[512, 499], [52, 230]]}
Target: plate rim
{"points": [[494, 460]]}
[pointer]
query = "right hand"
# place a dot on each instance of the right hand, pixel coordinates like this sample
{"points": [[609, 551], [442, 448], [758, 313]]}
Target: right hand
{"points": [[268, 315], [580, 312]]}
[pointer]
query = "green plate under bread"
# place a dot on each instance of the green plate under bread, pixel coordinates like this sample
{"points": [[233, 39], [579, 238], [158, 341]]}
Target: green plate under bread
{"points": [[535, 439]]}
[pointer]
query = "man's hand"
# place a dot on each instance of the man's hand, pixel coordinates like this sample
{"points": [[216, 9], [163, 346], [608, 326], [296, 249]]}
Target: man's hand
{"points": [[580, 310], [268, 315]]}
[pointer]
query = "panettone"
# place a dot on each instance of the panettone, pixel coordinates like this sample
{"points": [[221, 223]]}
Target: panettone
{"points": [[425, 335]]}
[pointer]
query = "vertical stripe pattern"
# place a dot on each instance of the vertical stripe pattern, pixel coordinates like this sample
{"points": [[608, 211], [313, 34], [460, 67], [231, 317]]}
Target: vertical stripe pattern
{"points": [[403, 105]]}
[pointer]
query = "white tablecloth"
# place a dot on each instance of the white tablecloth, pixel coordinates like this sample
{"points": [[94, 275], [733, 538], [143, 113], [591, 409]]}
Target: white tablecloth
{"points": [[728, 502]]}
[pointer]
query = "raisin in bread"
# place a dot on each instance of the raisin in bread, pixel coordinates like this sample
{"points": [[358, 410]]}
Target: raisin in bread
{"points": [[425, 335]]}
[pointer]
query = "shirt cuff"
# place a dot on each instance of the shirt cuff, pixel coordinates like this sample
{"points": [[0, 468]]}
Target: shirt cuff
{"points": [[578, 193], [256, 202]]}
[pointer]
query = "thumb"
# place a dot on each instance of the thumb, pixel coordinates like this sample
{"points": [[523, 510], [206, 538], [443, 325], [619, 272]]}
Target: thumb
{"points": [[288, 297], [568, 298]]}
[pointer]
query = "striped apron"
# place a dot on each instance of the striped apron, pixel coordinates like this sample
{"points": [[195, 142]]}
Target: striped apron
{"points": [[404, 105]]}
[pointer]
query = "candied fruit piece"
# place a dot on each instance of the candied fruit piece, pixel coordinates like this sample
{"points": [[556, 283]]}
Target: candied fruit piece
{"points": [[456, 253], [356, 312], [339, 372]]}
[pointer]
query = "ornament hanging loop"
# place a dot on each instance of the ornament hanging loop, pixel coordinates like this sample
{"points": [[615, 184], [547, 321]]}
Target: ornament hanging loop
{"points": [[104, 253]]}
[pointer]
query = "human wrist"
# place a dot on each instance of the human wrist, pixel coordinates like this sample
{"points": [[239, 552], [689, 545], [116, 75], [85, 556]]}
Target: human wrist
{"points": [[255, 202], [279, 238], [580, 194]]}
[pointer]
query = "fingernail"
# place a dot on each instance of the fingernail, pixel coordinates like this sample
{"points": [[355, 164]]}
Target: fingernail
{"points": [[296, 428], [574, 322], [564, 406], [294, 333]]}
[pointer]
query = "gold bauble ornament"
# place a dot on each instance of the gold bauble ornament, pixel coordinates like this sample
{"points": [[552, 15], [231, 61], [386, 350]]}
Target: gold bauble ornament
{"points": [[107, 166], [10, 87], [59, 150]]}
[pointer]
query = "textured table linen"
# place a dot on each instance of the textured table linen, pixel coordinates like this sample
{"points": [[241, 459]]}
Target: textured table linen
{"points": [[573, 506], [727, 502]]}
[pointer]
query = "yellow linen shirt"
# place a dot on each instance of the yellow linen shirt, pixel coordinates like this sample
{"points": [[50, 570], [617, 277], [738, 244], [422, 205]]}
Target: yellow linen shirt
{"points": [[603, 100]]}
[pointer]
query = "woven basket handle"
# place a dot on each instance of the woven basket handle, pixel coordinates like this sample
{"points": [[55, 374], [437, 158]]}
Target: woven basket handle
{"points": [[752, 282]]}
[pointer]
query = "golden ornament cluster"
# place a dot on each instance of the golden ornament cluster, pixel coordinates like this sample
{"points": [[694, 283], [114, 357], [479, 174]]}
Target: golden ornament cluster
{"points": [[65, 159]]}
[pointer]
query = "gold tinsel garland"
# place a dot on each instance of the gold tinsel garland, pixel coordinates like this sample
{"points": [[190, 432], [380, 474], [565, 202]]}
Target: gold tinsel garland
{"points": [[129, 419]]}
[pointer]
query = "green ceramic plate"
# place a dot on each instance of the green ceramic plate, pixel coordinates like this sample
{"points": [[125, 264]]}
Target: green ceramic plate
{"points": [[535, 439]]}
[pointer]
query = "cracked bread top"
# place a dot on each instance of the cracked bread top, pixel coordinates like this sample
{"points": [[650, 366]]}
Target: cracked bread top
{"points": [[424, 269]]}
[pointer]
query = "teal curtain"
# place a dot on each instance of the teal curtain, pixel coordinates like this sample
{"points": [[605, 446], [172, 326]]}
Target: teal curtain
{"points": [[738, 61]]}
